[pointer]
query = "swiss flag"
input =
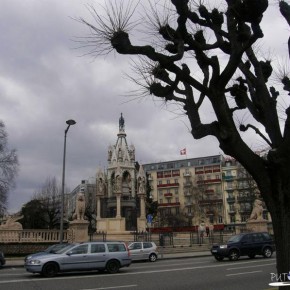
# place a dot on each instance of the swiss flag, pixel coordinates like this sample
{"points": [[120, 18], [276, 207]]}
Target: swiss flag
{"points": [[183, 151]]}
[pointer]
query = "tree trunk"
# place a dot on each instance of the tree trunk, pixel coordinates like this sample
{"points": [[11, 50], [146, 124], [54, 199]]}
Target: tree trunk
{"points": [[281, 227], [280, 214]]}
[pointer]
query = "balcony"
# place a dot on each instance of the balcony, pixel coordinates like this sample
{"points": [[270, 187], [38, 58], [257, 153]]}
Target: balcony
{"points": [[246, 199], [168, 185], [228, 177], [245, 211], [173, 204], [210, 201], [231, 199], [231, 211], [188, 203], [209, 191], [187, 174], [187, 184], [207, 181], [187, 193], [168, 194]]}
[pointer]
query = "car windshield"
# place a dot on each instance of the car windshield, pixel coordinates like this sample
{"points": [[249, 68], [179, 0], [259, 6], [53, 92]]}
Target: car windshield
{"points": [[235, 239], [65, 249]]}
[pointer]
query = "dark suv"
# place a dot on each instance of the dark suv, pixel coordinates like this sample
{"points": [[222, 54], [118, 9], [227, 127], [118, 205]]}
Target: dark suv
{"points": [[246, 244]]}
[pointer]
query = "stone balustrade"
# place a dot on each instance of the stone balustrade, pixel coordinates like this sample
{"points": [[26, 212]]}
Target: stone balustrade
{"points": [[32, 236]]}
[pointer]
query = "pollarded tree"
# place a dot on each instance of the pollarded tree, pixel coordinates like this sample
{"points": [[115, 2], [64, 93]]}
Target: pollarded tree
{"points": [[8, 168], [205, 55]]}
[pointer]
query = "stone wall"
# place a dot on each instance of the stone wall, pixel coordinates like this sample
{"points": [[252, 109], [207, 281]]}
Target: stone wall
{"points": [[17, 249]]}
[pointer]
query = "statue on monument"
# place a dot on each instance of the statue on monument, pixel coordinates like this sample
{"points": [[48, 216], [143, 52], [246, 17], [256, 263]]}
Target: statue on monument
{"points": [[141, 181], [121, 123], [80, 209]]}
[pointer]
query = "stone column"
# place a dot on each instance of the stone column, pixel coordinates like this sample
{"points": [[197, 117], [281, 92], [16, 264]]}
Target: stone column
{"points": [[142, 207], [118, 214], [98, 207]]}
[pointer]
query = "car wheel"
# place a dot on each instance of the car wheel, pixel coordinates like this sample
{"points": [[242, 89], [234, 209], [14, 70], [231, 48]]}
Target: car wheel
{"points": [[234, 255], [49, 269], [219, 258], [252, 256], [113, 267], [267, 252], [152, 258]]}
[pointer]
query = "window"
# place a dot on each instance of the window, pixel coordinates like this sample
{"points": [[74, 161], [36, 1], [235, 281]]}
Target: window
{"points": [[116, 248], [136, 246], [167, 173], [82, 249], [98, 248], [147, 245]]}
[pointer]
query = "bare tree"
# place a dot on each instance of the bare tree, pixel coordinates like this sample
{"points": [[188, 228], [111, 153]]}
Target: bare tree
{"points": [[197, 55], [8, 168], [49, 196]]}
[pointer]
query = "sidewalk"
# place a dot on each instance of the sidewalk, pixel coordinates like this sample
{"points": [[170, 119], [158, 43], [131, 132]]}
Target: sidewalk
{"points": [[19, 262]]}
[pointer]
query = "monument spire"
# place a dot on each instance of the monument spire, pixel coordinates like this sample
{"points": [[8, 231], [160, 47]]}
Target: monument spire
{"points": [[121, 123]]}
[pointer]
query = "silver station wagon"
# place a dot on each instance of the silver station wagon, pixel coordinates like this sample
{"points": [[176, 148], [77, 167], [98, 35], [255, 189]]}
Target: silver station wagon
{"points": [[102, 256]]}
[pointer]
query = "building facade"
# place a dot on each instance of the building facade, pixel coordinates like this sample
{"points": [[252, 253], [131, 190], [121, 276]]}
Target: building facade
{"points": [[188, 191], [239, 192], [213, 190]]}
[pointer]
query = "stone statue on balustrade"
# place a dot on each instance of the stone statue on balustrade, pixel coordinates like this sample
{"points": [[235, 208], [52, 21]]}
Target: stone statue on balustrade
{"points": [[12, 223]]}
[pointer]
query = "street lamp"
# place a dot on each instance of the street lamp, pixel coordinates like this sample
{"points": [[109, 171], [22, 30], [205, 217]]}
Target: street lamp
{"points": [[69, 123]]}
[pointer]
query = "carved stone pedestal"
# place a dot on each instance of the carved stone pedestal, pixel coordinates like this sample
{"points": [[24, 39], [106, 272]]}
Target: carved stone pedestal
{"points": [[257, 226], [141, 224], [79, 230]]}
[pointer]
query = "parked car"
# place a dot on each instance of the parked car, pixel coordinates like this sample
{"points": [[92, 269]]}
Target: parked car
{"points": [[51, 249], [2, 259], [102, 256], [143, 251], [245, 244]]}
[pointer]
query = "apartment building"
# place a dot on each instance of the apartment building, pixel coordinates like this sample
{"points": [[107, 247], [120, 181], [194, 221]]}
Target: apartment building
{"points": [[240, 192], [213, 189], [188, 191]]}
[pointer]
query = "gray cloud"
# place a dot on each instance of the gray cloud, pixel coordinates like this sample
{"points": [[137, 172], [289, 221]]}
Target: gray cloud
{"points": [[45, 80]]}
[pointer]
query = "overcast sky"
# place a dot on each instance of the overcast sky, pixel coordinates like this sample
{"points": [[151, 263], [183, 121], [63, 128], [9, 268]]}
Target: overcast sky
{"points": [[45, 80]]}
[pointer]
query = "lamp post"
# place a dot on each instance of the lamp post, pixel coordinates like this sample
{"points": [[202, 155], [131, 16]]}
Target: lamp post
{"points": [[69, 123]]}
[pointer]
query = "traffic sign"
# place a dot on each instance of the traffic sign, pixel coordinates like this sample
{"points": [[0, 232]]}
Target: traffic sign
{"points": [[149, 218]]}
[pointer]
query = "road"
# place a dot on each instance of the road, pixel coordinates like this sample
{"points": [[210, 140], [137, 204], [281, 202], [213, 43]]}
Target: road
{"points": [[202, 273]]}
